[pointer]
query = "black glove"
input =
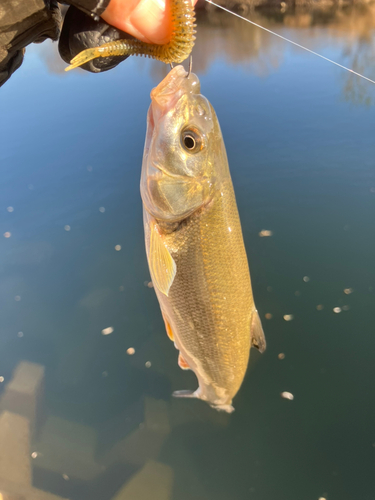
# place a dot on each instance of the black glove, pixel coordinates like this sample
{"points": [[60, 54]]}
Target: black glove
{"points": [[9, 66], [80, 32], [22, 24]]}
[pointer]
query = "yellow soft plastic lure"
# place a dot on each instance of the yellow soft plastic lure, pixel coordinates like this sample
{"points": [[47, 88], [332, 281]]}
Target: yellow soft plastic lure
{"points": [[175, 51]]}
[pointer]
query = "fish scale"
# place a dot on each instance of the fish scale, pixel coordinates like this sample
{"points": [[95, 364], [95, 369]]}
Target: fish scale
{"points": [[210, 302], [215, 291]]}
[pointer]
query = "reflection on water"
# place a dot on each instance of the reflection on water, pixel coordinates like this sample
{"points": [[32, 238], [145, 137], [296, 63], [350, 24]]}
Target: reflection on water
{"points": [[221, 35], [36, 445], [86, 369]]}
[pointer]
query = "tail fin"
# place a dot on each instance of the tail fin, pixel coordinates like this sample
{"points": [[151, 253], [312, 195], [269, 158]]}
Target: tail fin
{"points": [[227, 408]]}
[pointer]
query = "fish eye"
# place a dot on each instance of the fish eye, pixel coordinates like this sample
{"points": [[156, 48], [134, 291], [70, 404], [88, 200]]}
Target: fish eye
{"points": [[191, 140]]}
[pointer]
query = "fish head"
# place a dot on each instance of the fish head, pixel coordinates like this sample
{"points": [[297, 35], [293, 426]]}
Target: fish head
{"points": [[182, 142]]}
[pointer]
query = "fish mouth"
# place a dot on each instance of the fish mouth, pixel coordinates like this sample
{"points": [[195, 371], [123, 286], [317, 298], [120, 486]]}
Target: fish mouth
{"points": [[164, 95], [169, 90]]}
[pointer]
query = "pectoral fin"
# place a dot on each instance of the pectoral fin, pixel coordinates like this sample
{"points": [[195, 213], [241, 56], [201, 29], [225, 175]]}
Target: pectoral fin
{"points": [[258, 339], [162, 265]]}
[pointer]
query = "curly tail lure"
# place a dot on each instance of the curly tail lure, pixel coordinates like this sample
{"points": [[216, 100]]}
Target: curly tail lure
{"points": [[175, 51]]}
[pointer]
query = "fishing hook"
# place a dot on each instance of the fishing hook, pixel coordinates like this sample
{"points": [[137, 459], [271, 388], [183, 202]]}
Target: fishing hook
{"points": [[190, 65]]}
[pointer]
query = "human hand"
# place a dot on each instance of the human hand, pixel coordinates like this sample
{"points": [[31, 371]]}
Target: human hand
{"points": [[147, 20]]}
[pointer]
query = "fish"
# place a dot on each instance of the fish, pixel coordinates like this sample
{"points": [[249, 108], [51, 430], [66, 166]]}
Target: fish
{"points": [[194, 242]]}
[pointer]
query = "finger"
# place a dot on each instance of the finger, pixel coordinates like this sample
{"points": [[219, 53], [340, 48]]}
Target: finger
{"points": [[147, 20]]}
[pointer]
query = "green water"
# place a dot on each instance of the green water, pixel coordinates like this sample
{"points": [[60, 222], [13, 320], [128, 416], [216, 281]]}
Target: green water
{"points": [[299, 134]]}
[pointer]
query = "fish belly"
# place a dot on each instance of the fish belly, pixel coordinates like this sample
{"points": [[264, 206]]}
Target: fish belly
{"points": [[210, 303]]}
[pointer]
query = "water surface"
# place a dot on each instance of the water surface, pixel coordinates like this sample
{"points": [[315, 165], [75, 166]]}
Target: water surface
{"points": [[299, 134]]}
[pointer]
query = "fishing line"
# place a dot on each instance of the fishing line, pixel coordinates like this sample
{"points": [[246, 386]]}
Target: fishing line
{"points": [[290, 41]]}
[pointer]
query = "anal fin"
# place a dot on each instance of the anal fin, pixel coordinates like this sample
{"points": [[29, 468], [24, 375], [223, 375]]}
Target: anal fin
{"points": [[258, 339]]}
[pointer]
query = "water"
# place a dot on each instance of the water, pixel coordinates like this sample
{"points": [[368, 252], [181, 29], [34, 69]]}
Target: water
{"points": [[299, 134]]}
